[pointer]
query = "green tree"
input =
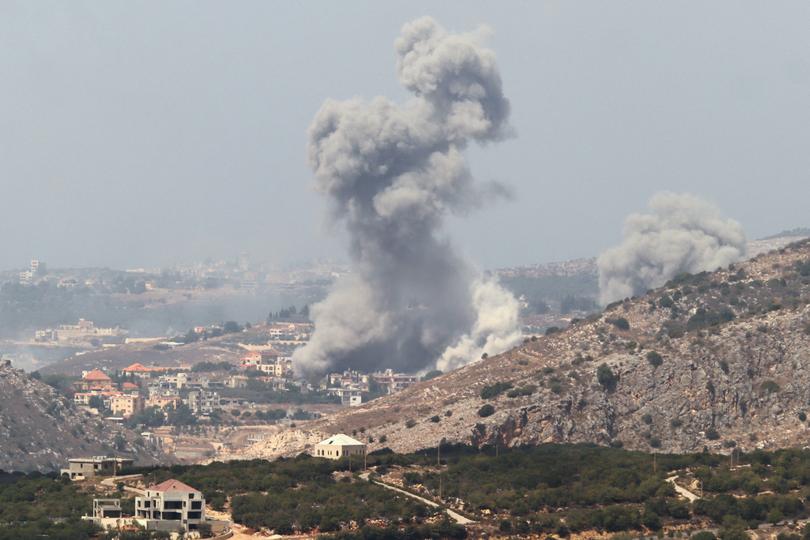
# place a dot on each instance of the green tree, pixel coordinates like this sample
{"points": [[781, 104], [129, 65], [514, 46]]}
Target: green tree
{"points": [[606, 377]]}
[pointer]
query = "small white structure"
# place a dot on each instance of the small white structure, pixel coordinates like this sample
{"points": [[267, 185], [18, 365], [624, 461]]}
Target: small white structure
{"points": [[338, 446]]}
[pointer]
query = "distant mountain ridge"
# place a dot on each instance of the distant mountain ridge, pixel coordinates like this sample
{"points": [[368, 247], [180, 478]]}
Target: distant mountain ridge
{"points": [[715, 360], [40, 429]]}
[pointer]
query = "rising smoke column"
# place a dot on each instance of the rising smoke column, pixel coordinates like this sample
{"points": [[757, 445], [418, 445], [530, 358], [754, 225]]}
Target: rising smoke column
{"points": [[682, 233], [392, 173]]}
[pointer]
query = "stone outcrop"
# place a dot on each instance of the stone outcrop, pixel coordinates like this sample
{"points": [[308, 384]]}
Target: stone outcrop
{"points": [[40, 429]]}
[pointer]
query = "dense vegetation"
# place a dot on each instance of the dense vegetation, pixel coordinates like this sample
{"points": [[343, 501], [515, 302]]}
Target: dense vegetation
{"points": [[549, 489], [34, 505], [568, 488], [297, 494]]}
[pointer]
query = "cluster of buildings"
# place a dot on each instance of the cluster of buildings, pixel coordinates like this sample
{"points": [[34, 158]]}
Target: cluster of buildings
{"points": [[172, 505], [96, 389], [268, 361], [164, 388], [351, 385]]}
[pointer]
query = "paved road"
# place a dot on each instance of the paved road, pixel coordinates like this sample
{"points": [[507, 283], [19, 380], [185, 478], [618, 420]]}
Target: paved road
{"points": [[682, 491], [458, 518], [113, 480]]}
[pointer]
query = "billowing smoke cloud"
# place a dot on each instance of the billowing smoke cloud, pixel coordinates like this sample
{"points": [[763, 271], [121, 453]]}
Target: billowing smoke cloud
{"points": [[682, 233], [393, 172]]}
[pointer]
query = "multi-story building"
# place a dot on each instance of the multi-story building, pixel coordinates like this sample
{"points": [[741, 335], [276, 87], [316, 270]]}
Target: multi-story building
{"points": [[171, 504], [202, 401], [163, 401], [268, 361], [349, 379], [394, 382], [126, 405], [95, 379]]}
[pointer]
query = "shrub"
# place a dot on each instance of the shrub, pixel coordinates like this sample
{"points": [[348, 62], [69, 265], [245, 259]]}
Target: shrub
{"points": [[486, 410], [802, 416], [654, 359], [675, 423], [493, 390], [704, 535], [712, 434], [432, 374], [704, 318], [769, 387], [522, 391], [606, 377], [435, 418], [410, 423], [647, 419], [620, 322]]}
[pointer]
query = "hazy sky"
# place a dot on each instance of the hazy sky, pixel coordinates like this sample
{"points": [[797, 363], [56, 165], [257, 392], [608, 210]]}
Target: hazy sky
{"points": [[148, 133]]}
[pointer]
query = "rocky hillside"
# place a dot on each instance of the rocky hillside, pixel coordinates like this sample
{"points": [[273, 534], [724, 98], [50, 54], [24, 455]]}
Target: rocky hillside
{"points": [[40, 429], [711, 360]]}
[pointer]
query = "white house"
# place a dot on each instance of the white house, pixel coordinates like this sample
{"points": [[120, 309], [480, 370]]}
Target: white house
{"points": [[338, 446], [170, 504]]}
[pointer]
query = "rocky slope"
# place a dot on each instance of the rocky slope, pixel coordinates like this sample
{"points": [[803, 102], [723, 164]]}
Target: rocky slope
{"points": [[710, 360], [40, 429]]}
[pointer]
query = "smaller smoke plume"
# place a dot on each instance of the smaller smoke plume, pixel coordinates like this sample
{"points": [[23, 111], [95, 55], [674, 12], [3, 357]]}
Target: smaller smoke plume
{"points": [[681, 233], [496, 328]]}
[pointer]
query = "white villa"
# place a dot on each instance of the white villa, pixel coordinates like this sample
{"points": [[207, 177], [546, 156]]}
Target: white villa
{"points": [[338, 446], [170, 504]]}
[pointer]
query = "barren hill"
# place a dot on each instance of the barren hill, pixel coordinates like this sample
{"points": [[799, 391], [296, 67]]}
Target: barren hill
{"points": [[40, 429], [710, 360]]}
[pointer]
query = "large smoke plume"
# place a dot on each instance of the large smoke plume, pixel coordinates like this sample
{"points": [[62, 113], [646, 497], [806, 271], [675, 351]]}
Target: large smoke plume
{"points": [[392, 173], [682, 233]]}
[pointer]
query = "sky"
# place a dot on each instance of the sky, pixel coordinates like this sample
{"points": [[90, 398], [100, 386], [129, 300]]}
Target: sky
{"points": [[140, 134]]}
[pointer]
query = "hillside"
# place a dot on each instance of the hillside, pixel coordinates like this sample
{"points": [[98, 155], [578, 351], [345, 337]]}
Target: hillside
{"points": [[40, 429], [710, 360]]}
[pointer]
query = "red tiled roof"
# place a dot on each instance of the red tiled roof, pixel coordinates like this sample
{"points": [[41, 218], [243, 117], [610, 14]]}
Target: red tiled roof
{"points": [[137, 366], [96, 375], [173, 485]]}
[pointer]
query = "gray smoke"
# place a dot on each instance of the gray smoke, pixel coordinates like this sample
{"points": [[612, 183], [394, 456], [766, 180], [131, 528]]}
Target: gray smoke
{"points": [[392, 173], [682, 233]]}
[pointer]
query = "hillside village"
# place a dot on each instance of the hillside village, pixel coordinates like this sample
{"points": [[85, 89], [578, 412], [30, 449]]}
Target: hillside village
{"points": [[669, 371]]}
